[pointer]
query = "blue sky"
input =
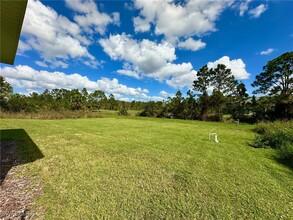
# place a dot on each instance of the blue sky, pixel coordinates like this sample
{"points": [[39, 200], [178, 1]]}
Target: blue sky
{"points": [[145, 49]]}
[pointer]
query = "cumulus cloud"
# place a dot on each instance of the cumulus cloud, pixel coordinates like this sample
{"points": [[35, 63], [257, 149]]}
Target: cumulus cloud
{"points": [[257, 11], [148, 59], [25, 77], [237, 66], [90, 18], [191, 44], [146, 55], [176, 75], [174, 20], [267, 52], [53, 36]]}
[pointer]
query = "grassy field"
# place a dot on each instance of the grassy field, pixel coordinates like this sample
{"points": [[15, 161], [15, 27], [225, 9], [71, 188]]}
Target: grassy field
{"points": [[143, 168]]}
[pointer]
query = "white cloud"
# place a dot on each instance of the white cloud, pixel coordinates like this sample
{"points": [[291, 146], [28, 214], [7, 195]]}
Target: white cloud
{"points": [[256, 12], [130, 73], [146, 55], [237, 66], [59, 63], [41, 63], [53, 36], [148, 59], [173, 20], [267, 52], [90, 18], [244, 7], [191, 44], [176, 75], [25, 77], [165, 94], [22, 47], [141, 25]]}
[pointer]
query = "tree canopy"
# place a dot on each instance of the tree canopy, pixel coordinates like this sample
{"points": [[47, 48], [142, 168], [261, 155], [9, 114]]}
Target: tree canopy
{"points": [[277, 76], [221, 81], [277, 80]]}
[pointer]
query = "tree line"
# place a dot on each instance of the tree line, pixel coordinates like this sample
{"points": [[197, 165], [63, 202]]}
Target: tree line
{"points": [[215, 94], [61, 99], [229, 96]]}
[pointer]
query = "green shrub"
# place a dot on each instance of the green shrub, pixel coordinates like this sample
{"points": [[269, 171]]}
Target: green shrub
{"points": [[123, 112], [276, 135]]}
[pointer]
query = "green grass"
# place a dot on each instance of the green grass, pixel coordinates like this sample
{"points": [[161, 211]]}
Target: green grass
{"points": [[143, 168]]}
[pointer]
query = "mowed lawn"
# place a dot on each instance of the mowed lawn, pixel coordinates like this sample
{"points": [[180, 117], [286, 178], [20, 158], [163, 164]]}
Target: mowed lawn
{"points": [[143, 168]]}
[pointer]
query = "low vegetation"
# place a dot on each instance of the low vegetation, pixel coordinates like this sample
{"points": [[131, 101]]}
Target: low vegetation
{"points": [[145, 168], [65, 114], [277, 135]]}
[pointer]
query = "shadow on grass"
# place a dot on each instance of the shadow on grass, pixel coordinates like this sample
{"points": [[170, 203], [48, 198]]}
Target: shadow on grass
{"points": [[285, 161], [16, 147], [282, 159]]}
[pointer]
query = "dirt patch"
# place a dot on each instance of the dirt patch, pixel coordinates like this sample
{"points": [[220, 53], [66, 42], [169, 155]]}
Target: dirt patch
{"points": [[17, 192]]}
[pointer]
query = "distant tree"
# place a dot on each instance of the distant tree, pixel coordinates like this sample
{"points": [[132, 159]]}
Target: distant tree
{"points": [[204, 106], [76, 100], [201, 84], [277, 80], [217, 102], [203, 81], [133, 105], [47, 99], [190, 106], [61, 99], [222, 79], [224, 83], [6, 91], [34, 102], [150, 110], [176, 105], [123, 109], [85, 98], [261, 109], [238, 100], [112, 102], [17, 103], [97, 97]]}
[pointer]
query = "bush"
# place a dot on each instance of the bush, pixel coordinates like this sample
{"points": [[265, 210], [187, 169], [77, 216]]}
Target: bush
{"points": [[123, 112], [276, 135]]}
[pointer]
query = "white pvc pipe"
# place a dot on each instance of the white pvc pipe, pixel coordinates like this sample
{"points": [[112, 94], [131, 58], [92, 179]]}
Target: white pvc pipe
{"points": [[215, 137]]}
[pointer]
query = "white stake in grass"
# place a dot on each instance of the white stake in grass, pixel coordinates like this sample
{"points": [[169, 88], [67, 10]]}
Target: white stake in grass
{"points": [[215, 135]]}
